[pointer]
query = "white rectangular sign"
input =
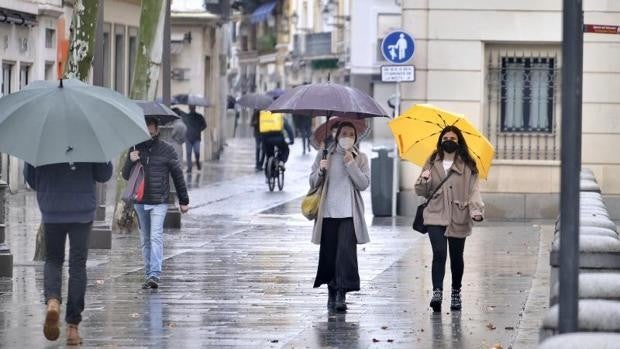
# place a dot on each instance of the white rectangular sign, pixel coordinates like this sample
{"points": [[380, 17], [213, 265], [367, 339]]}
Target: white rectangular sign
{"points": [[396, 73]]}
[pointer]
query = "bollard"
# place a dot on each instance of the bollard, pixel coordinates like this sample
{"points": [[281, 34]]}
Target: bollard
{"points": [[173, 215], [6, 258], [101, 233], [381, 178]]}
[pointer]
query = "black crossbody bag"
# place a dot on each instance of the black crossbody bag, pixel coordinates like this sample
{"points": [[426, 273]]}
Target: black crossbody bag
{"points": [[418, 222]]}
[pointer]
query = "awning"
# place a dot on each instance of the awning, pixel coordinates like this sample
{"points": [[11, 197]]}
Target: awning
{"points": [[262, 12]]}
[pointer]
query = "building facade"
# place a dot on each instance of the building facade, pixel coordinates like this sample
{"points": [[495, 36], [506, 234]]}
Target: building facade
{"points": [[500, 63]]}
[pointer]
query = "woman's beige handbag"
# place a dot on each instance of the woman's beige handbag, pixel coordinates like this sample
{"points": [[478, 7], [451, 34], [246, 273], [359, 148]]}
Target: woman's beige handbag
{"points": [[310, 204]]}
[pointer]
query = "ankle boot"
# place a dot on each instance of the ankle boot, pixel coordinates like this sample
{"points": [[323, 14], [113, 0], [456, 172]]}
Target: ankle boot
{"points": [[73, 335], [436, 300], [331, 298], [455, 300], [50, 328], [341, 304]]}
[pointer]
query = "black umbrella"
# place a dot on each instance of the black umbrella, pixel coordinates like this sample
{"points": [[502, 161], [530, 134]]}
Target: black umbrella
{"points": [[189, 99], [255, 101], [157, 110], [327, 99]]}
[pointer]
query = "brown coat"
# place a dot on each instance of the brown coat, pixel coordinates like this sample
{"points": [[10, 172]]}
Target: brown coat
{"points": [[456, 202]]}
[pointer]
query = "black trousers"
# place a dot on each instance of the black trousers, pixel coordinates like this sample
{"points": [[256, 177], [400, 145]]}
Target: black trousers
{"points": [[55, 237], [440, 245], [338, 256]]}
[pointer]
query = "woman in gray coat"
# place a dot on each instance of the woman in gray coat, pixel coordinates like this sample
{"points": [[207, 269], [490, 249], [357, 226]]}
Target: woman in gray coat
{"points": [[340, 224]]}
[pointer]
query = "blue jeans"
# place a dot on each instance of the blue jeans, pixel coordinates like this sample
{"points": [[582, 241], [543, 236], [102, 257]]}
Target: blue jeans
{"points": [[151, 220], [194, 147]]}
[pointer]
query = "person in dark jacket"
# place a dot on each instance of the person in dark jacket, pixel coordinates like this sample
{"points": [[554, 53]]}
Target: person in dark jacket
{"points": [[259, 155], [160, 161], [66, 198], [195, 123]]}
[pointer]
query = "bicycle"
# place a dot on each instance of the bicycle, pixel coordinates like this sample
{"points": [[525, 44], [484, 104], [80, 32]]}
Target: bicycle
{"points": [[274, 172]]}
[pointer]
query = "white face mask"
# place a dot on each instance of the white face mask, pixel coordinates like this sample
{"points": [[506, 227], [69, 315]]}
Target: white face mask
{"points": [[346, 142]]}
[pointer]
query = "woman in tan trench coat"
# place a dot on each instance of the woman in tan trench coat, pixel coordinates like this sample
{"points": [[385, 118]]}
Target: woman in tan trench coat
{"points": [[451, 211], [340, 224]]}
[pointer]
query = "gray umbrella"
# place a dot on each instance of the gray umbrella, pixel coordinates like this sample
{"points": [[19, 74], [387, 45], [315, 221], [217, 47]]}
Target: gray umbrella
{"points": [[327, 99], [48, 123], [255, 101], [157, 110]]}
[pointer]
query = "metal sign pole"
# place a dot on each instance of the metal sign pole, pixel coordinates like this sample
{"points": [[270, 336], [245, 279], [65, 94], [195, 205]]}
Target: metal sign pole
{"points": [[572, 55], [395, 163]]}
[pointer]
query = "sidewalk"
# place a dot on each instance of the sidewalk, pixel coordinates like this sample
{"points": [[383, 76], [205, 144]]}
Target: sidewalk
{"points": [[239, 273]]}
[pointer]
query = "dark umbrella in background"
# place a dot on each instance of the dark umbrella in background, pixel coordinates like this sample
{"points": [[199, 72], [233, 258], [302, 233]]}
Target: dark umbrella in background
{"points": [[157, 110], [275, 93], [189, 99], [255, 101], [328, 99]]}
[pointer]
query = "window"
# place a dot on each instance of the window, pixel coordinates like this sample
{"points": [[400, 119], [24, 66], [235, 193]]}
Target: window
{"points": [[527, 94], [119, 58], [107, 47], [24, 75], [522, 100], [7, 76], [50, 38], [133, 49]]}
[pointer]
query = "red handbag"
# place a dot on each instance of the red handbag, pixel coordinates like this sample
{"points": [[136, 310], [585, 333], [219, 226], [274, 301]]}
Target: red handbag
{"points": [[134, 191]]}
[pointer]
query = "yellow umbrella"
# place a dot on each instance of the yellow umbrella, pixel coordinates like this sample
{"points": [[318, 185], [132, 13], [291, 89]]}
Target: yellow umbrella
{"points": [[416, 132]]}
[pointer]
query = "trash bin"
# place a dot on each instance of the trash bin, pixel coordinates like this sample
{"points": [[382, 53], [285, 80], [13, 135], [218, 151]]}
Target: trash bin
{"points": [[381, 178]]}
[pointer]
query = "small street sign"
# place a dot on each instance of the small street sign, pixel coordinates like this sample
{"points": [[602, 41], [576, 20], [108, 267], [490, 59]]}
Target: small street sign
{"points": [[397, 73], [601, 29], [397, 47]]}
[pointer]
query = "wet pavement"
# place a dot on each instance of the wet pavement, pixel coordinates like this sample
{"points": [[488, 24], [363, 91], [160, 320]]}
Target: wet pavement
{"points": [[239, 273]]}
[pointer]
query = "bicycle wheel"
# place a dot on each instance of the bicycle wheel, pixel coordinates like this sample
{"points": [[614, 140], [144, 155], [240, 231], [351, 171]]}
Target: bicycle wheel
{"points": [[271, 170], [280, 175]]}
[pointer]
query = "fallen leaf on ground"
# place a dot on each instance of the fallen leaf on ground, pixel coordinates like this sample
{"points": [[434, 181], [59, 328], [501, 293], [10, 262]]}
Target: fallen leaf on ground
{"points": [[390, 341], [375, 340], [509, 328], [274, 341], [172, 325], [134, 315], [384, 327], [99, 282], [497, 346], [490, 326]]}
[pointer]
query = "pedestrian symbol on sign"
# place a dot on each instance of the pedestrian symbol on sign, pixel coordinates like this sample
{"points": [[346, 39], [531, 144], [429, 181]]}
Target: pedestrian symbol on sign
{"points": [[397, 47]]}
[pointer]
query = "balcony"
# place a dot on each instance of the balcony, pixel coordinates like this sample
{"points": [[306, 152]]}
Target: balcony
{"points": [[313, 44], [266, 43]]}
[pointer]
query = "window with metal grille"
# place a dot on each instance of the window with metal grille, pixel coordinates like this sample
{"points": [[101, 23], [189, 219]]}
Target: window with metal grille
{"points": [[527, 94], [523, 104]]}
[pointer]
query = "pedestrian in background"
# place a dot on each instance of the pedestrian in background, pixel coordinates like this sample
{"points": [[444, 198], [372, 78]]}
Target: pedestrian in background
{"points": [[303, 126], [451, 211], [160, 162], [67, 201], [195, 123], [179, 130], [259, 154], [340, 223]]}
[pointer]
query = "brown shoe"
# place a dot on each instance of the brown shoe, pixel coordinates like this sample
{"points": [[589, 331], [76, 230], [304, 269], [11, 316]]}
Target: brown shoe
{"points": [[73, 335], [50, 328]]}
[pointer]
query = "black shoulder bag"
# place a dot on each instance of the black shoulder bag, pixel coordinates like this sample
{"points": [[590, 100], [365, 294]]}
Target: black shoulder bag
{"points": [[418, 222]]}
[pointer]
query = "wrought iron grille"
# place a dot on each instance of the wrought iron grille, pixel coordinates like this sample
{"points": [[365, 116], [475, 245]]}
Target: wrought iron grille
{"points": [[523, 104]]}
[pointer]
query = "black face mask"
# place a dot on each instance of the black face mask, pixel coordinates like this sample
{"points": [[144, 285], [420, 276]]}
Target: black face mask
{"points": [[449, 146]]}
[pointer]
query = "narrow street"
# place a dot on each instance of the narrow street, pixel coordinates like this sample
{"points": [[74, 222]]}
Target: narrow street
{"points": [[239, 273]]}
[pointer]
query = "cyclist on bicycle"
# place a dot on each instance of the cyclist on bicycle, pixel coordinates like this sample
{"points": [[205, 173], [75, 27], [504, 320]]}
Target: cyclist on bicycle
{"points": [[271, 126]]}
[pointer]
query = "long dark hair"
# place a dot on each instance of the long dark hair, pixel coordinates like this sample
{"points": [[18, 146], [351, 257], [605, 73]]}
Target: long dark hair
{"points": [[462, 151]]}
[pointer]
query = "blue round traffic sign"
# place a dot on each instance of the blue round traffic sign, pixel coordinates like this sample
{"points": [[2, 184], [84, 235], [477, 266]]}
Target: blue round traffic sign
{"points": [[398, 47]]}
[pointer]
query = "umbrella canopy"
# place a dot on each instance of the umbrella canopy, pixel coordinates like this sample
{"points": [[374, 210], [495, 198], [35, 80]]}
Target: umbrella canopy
{"points": [[417, 130], [188, 99], [255, 101], [275, 93], [327, 99], [157, 110], [48, 122], [318, 136]]}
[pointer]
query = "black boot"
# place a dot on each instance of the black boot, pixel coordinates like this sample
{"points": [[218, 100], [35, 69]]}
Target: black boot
{"points": [[436, 300], [331, 298], [455, 301], [341, 304]]}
